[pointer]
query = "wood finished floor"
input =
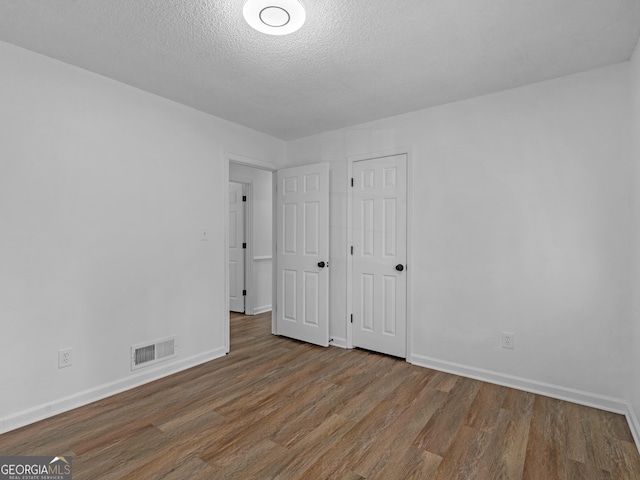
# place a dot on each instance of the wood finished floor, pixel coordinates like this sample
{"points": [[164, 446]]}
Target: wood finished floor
{"points": [[278, 408]]}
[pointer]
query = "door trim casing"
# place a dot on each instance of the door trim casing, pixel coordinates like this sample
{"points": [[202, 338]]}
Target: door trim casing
{"points": [[351, 159]]}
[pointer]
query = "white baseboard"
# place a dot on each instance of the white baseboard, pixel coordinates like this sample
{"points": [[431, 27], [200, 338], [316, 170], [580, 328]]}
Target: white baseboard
{"points": [[259, 310], [338, 342], [580, 397], [40, 412], [634, 425]]}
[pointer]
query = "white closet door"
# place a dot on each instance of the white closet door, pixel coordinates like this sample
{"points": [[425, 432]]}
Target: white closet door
{"points": [[379, 231]]}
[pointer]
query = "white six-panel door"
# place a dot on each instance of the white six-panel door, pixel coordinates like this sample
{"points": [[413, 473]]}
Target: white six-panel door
{"points": [[236, 250], [379, 230], [303, 253]]}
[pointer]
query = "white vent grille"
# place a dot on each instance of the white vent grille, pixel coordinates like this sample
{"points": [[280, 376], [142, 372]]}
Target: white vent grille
{"points": [[145, 354], [152, 353], [165, 349]]}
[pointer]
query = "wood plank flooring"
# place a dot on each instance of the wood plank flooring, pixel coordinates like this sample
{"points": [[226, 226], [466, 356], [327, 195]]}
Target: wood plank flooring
{"points": [[278, 408]]}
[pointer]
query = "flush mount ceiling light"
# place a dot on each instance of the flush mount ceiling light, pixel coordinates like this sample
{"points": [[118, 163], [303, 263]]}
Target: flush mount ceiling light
{"points": [[274, 17]]}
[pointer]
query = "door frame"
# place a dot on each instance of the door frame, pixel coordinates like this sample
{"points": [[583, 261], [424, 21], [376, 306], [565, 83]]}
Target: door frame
{"points": [[230, 157], [409, 265]]}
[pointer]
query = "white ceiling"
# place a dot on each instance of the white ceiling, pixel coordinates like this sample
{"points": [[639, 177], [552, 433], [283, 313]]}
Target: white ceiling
{"points": [[353, 61]]}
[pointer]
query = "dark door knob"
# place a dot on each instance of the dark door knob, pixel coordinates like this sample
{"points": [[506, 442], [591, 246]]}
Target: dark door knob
{"points": [[400, 267], [321, 264]]}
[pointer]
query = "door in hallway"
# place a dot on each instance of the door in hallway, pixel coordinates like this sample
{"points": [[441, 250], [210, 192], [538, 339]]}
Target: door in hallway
{"points": [[236, 247]]}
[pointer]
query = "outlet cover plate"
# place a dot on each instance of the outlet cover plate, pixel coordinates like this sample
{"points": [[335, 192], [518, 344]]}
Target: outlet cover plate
{"points": [[508, 340], [65, 357]]}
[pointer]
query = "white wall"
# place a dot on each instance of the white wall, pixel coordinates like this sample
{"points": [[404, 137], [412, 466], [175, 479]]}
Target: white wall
{"points": [[260, 282], [521, 223], [635, 333], [104, 193]]}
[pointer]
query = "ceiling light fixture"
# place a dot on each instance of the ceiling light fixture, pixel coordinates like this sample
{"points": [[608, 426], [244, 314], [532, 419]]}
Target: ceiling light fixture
{"points": [[274, 17]]}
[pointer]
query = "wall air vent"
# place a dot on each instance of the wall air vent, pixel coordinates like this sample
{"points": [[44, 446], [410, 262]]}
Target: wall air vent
{"points": [[151, 353]]}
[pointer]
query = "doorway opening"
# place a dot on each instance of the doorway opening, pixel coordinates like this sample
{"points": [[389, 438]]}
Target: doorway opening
{"points": [[249, 239]]}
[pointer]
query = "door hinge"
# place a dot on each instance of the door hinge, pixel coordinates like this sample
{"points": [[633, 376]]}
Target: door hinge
{"points": [[244, 198], [244, 245], [244, 293], [352, 181], [352, 318], [351, 249]]}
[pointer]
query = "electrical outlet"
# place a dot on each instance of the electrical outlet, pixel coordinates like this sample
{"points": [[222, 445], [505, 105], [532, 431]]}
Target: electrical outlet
{"points": [[508, 340], [65, 358]]}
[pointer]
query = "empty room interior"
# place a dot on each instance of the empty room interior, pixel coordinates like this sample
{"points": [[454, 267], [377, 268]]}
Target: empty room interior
{"points": [[321, 239]]}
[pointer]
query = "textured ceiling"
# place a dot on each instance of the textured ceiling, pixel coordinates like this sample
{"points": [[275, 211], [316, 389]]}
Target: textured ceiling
{"points": [[353, 61]]}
